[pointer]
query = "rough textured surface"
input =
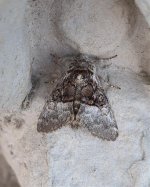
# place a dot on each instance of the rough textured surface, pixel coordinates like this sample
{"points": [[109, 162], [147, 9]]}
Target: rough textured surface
{"points": [[67, 157], [14, 55], [144, 6]]}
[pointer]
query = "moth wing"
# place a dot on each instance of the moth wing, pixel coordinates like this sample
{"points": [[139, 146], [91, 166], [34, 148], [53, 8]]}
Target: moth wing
{"points": [[99, 119], [64, 90], [100, 123], [57, 92], [54, 116]]}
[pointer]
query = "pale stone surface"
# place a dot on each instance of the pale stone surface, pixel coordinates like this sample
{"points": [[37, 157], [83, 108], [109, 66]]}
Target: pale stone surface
{"points": [[70, 157], [14, 55], [69, 27], [94, 28], [75, 158], [144, 6]]}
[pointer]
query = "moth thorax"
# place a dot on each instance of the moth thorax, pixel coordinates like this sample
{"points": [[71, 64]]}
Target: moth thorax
{"points": [[80, 78]]}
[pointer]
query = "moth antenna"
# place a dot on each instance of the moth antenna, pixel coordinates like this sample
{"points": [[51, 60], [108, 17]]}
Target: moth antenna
{"points": [[108, 58]]}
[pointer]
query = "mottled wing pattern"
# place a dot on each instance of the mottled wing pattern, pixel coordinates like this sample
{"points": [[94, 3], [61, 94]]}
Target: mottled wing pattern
{"points": [[64, 91], [101, 123], [79, 93], [97, 115], [54, 116], [55, 113]]}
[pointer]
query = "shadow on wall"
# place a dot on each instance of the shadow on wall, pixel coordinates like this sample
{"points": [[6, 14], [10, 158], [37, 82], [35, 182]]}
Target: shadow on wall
{"points": [[7, 176]]}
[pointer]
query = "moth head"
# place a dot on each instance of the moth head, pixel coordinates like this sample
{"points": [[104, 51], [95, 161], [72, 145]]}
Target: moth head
{"points": [[82, 65]]}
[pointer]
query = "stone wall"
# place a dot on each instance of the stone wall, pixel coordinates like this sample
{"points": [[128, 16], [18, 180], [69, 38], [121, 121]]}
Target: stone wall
{"points": [[14, 54], [32, 33]]}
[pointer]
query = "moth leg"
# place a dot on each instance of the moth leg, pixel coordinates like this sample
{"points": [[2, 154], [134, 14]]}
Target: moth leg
{"points": [[107, 83], [28, 99], [109, 58], [113, 86]]}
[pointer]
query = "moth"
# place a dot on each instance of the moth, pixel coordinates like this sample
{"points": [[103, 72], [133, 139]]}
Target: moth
{"points": [[79, 100]]}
